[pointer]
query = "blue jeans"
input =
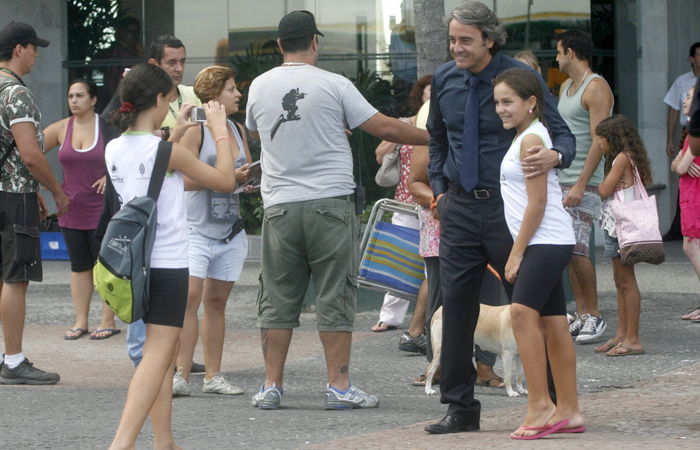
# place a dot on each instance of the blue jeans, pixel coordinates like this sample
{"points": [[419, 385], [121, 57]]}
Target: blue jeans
{"points": [[135, 338]]}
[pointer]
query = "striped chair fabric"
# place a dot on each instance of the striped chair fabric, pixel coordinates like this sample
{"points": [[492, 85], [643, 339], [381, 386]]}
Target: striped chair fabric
{"points": [[391, 258]]}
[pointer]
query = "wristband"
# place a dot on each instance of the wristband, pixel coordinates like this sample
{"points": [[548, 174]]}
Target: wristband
{"points": [[220, 138], [433, 204], [166, 133]]}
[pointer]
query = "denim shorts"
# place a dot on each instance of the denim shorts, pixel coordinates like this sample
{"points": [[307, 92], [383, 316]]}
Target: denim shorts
{"points": [[612, 246], [213, 258], [583, 216]]}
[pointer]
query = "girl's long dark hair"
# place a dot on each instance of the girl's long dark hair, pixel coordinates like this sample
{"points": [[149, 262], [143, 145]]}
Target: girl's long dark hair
{"points": [[622, 136], [140, 87]]}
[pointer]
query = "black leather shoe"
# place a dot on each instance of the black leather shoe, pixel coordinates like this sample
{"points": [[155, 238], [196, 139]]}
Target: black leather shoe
{"points": [[452, 424]]}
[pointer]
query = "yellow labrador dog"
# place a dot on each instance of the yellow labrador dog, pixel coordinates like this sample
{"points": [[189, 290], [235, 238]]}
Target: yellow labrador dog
{"points": [[494, 333]]}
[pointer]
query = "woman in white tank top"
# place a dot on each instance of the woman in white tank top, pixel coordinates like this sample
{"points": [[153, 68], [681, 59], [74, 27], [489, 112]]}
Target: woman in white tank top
{"points": [[146, 93], [543, 244]]}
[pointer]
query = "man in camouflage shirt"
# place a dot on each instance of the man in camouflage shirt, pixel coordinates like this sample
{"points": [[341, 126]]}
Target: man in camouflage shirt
{"points": [[23, 168]]}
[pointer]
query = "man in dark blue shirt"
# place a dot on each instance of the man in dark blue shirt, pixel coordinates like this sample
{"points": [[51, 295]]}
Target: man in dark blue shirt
{"points": [[473, 227]]}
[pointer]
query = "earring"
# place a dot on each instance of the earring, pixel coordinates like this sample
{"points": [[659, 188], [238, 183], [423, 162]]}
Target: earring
{"points": [[529, 111]]}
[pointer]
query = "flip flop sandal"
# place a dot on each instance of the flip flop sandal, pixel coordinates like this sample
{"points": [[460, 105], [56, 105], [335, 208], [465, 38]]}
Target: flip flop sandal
{"points": [[610, 343], [689, 313], [488, 383], [81, 332], [112, 331], [381, 330], [630, 351], [420, 381], [543, 431]]}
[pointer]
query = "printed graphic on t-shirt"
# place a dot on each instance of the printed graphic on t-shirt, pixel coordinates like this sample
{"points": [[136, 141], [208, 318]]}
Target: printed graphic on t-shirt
{"points": [[289, 104], [113, 169], [222, 207]]}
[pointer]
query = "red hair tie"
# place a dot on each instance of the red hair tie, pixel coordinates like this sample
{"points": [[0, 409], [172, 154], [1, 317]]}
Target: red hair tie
{"points": [[127, 107]]}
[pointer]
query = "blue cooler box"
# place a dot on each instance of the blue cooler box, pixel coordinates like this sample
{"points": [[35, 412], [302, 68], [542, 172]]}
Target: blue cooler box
{"points": [[53, 246]]}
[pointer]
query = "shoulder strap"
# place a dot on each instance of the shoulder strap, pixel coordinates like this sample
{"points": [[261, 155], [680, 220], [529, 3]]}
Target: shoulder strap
{"points": [[237, 130], [201, 140], [159, 168], [640, 191]]}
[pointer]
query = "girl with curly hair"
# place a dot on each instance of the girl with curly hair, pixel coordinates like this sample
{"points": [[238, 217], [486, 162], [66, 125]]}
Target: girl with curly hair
{"points": [[624, 153]]}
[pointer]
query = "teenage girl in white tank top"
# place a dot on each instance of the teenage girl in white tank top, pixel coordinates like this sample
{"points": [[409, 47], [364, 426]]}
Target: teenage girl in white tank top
{"points": [[543, 244], [146, 93]]}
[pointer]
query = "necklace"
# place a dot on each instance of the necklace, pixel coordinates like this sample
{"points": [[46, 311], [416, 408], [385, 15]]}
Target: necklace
{"points": [[6, 70], [295, 64], [579, 86]]}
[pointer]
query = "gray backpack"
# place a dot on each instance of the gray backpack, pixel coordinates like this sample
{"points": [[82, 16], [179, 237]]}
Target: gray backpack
{"points": [[121, 274]]}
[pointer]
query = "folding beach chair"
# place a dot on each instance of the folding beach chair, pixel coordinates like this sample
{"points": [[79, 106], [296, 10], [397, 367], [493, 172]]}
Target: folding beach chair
{"points": [[390, 260]]}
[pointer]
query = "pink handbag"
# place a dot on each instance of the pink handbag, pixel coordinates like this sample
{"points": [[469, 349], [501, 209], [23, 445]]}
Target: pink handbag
{"points": [[637, 226]]}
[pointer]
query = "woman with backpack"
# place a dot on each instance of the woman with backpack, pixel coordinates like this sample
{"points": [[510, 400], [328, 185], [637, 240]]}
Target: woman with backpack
{"points": [[145, 94]]}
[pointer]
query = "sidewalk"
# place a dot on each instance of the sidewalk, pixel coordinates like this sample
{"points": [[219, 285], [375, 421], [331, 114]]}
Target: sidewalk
{"points": [[640, 402]]}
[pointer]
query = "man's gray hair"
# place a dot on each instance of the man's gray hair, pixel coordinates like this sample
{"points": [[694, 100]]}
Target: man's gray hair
{"points": [[479, 15]]}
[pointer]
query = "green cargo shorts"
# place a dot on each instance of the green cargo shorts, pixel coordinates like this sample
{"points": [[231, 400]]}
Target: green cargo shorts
{"points": [[318, 238]]}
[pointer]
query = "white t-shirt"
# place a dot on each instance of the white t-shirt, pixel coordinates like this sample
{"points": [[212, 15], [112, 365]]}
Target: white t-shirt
{"points": [[679, 89], [301, 113], [556, 227], [130, 159]]}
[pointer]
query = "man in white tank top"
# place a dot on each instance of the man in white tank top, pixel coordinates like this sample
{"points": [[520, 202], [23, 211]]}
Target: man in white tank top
{"points": [[584, 100]]}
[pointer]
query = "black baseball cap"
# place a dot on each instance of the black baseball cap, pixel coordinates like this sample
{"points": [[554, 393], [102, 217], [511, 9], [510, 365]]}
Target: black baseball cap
{"points": [[297, 24], [19, 33]]}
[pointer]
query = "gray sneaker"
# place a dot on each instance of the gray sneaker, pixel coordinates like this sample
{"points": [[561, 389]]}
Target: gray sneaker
{"points": [[26, 373], [180, 386], [220, 385], [352, 398], [593, 328], [409, 343], [577, 324], [268, 398]]}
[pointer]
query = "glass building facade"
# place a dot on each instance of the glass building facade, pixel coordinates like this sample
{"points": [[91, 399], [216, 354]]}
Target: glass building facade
{"points": [[361, 36]]}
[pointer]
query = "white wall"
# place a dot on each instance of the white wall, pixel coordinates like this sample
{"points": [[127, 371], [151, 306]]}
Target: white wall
{"points": [[683, 25], [48, 78], [652, 86]]}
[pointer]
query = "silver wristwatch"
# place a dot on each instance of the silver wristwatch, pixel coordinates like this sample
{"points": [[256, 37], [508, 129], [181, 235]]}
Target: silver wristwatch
{"points": [[561, 159]]}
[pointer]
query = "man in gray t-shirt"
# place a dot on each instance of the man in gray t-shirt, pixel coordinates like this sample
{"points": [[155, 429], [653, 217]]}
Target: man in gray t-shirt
{"points": [[299, 112]]}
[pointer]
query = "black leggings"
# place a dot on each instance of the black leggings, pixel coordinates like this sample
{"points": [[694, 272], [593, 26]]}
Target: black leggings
{"points": [[82, 248], [539, 284], [167, 300]]}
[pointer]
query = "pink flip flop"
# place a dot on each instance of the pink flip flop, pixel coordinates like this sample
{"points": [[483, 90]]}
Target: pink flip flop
{"points": [[580, 429], [543, 431]]}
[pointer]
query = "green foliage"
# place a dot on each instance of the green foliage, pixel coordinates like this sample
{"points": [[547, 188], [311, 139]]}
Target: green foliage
{"points": [[378, 93], [258, 60], [89, 22]]}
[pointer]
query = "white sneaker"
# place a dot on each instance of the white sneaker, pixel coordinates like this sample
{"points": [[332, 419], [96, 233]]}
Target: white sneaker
{"points": [[350, 399], [219, 385], [576, 326], [593, 328], [268, 398], [180, 386]]}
